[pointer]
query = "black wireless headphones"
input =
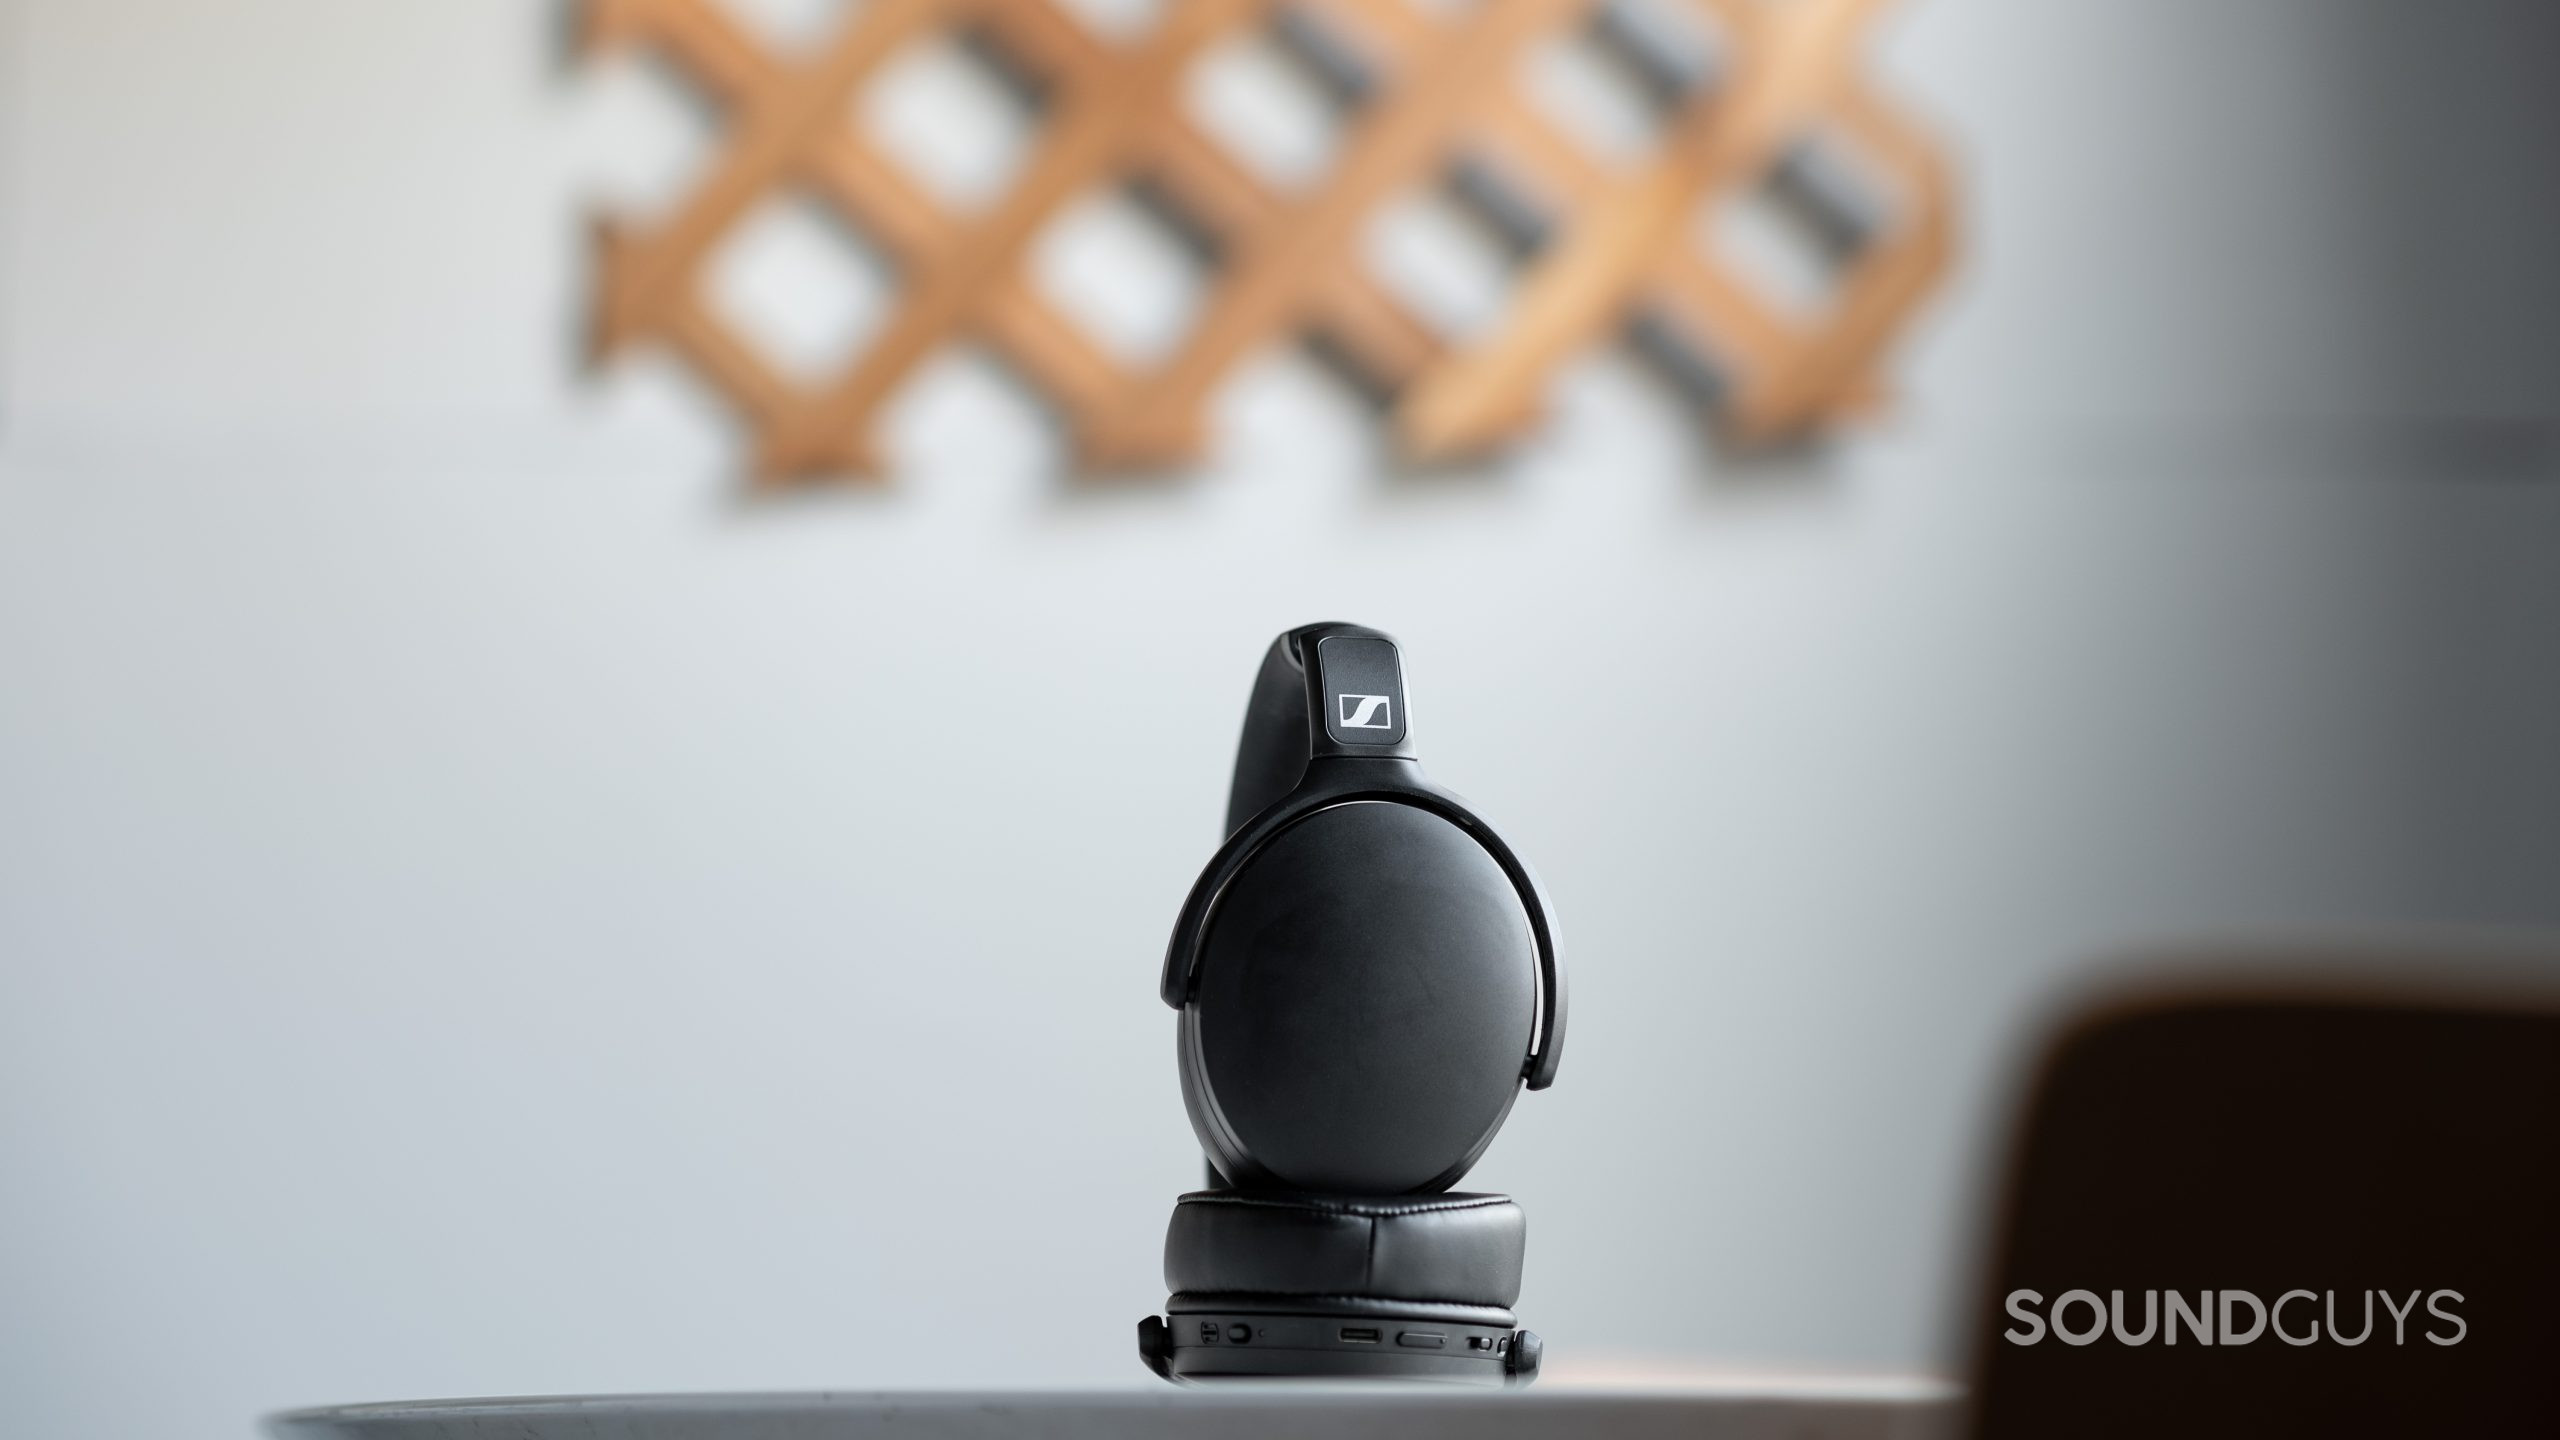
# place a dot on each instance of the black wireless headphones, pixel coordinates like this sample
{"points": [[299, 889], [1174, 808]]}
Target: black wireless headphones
{"points": [[1366, 972], [1367, 977]]}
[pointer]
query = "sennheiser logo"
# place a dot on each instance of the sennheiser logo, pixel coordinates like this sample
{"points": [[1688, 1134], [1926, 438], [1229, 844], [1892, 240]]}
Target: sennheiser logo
{"points": [[1367, 712]]}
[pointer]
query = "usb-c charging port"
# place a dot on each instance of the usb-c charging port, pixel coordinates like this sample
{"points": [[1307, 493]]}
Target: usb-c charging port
{"points": [[1359, 1335]]}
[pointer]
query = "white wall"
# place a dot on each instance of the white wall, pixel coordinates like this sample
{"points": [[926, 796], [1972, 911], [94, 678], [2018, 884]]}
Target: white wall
{"points": [[482, 910]]}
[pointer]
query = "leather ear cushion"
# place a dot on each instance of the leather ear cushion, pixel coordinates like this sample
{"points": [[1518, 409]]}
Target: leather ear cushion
{"points": [[1350, 1252]]}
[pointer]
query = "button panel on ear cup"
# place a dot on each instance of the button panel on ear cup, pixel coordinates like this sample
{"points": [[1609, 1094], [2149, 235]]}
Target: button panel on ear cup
{"points": [[1368, 985], [1219, 1346]]}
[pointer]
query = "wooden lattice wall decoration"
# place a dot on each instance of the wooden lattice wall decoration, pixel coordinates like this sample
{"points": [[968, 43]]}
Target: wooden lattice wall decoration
{"points": [[1610, 249]]}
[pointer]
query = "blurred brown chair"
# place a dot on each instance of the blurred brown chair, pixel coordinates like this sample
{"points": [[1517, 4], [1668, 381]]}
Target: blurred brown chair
{"points": [[2352, 1127]]}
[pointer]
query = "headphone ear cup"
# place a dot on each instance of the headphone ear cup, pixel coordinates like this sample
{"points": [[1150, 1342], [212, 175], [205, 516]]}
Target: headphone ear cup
{"points": [[1366, 995]]}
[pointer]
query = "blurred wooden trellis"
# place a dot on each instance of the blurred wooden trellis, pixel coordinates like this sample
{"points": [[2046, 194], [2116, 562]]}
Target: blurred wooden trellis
{"points": [[1608, 249]]}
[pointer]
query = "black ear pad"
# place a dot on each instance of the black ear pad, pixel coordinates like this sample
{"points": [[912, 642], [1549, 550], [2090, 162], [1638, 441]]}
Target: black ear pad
{"points": [[1453, 1258]]}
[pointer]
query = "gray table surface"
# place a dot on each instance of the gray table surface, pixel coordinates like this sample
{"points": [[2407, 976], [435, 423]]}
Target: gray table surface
{"points": [[1737, 1409]]}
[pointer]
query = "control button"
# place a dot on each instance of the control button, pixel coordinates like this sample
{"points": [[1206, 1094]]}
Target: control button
{"points": [[1239, 1333], [1208, 1332], [1422, 1339]]}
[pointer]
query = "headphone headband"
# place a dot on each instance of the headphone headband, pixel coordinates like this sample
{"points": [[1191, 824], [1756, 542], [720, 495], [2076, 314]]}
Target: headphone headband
{"points": [[1324, 690]]}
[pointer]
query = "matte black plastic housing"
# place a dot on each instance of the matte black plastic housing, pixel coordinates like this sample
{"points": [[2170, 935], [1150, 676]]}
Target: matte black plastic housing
{"points": [[1366, 972]]}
